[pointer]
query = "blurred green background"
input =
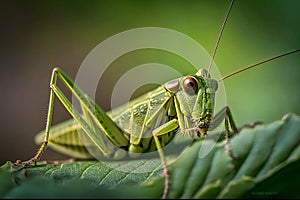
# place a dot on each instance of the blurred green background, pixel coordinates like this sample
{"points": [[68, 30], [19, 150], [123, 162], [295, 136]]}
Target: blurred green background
{"points": [[39, 35]]}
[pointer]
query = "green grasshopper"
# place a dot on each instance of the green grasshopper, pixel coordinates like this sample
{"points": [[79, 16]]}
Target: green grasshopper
{"points": [[147, 124]]}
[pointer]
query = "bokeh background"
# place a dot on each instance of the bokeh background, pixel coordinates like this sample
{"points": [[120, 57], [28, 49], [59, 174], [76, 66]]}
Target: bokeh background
{"points": [[39, 35]]}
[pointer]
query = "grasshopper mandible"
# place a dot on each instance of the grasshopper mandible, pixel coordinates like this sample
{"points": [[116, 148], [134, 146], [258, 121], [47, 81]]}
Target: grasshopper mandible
{"points": [[185, 104]]}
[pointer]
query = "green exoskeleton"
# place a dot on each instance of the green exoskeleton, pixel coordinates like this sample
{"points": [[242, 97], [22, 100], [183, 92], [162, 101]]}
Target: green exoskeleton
{"points": [[147, 124]]}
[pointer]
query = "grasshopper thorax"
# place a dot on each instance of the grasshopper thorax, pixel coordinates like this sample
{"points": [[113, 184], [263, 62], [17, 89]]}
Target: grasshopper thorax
{"points": [[195, 95]]}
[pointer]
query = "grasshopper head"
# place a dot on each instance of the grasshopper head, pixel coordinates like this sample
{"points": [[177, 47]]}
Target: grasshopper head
{"points": [[196, 97]]}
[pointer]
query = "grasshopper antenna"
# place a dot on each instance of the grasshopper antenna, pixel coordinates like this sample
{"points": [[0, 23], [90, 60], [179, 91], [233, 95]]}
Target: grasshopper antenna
{"points": [[254, 65], [220, 35]]}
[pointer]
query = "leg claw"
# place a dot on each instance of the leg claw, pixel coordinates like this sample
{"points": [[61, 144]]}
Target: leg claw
{"points": [[25, 163]]}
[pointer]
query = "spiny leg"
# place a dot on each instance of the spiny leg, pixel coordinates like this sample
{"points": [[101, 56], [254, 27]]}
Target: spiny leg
{"points": [[164, 129], [227, 147], [43, 146], [165, 164], [100, 118], [229, 119], [225, 114]]}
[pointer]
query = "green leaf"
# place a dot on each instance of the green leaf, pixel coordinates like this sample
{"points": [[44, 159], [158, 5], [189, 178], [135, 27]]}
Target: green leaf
{"points": [[265, 164], [76, 179]]}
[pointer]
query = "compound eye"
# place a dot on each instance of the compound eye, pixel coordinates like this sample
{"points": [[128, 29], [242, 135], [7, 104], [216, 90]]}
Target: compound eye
{"points": [[190, 85]]}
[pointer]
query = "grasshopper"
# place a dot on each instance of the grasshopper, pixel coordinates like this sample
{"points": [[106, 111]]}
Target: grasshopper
{"points": [[147, 124]]}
